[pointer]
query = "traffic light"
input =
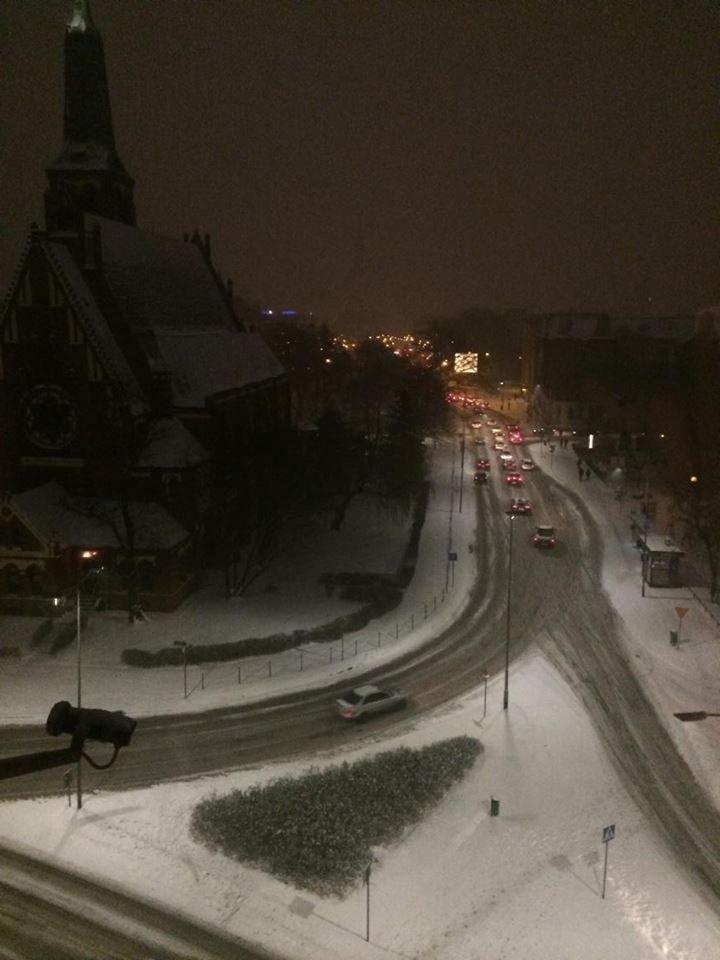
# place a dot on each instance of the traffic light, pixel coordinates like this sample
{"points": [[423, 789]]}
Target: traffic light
{"points": [[105, 726]]}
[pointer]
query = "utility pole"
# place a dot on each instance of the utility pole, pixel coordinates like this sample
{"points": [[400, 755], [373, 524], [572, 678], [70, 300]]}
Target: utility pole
{"points": [[78, 632], [506, 694]]}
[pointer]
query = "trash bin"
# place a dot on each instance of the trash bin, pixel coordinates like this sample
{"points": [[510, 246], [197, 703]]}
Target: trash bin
{"points": [[673, 638], [494, 807]]}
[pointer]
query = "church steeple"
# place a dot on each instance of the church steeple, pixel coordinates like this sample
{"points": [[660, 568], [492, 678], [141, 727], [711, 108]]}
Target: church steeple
{"points": [[88, 176]]}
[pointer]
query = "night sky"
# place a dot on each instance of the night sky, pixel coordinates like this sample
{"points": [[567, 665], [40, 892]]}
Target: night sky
{"points": [[377, 163]]}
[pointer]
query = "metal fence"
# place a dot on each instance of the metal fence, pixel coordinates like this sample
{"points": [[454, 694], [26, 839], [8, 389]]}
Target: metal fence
{"points": [[310, 655]]}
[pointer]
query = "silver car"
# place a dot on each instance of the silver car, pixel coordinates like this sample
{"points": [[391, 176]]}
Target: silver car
{"points": [[368, 699]]}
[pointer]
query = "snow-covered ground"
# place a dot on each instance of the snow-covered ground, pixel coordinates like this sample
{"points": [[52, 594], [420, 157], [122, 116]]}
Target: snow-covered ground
{"points": [[461, 884]]}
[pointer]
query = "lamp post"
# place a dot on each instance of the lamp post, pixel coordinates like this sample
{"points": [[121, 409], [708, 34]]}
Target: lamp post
{"points": [[646, 514], [78, 643], [506, 695], [184, 646], [692, 715]]}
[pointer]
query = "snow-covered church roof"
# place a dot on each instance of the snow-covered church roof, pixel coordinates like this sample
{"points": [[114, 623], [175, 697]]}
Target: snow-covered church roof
{"points": [[54, 515], [171, 445], [171, 300]]}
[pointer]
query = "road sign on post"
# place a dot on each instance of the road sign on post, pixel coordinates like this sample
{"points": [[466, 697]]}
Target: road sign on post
{"points": [[608, 834], [680, 611], [368, 872]]}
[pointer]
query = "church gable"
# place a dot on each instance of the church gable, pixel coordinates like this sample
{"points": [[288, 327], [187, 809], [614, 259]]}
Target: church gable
{"points": [[16, 533], [42, 316]]}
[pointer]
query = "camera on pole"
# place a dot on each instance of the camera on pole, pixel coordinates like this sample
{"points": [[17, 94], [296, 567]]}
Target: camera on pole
{"points": [[101, 726]]}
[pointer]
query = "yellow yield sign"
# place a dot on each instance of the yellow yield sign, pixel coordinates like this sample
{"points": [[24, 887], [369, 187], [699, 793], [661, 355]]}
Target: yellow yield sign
{"points": [[681, 611]]}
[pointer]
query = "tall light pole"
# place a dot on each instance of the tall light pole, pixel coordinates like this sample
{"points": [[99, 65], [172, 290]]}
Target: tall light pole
{"points": [[183, 645], [506, 694], [693, 715], [78, 642], [646, 517], [462, 467]]}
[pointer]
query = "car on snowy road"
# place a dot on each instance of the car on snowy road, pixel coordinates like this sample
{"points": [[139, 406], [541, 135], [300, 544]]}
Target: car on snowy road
{"points": [[368, 699]]}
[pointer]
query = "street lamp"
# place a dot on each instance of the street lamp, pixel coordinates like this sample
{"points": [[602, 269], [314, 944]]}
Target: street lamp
{"points": [[693, 715], [184, 646], [506, 695]]}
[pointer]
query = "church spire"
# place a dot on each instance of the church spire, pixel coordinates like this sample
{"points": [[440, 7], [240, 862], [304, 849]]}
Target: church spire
{"points": [[88, 176], [81, 18]]}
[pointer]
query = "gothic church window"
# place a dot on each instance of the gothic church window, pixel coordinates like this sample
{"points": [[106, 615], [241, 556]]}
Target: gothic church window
{"points": [[10, 332], [55, 292], [95, 370], [75, 333]]}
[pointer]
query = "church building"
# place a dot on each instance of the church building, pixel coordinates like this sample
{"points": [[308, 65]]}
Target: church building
{"points": [[129, 387]]}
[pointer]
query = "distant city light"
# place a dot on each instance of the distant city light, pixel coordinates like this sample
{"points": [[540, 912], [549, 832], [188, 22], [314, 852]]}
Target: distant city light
{"points": [[466, 363]]}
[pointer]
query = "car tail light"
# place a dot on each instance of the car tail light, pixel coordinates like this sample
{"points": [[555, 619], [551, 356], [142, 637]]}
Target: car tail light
{"points": [[346, 713]]}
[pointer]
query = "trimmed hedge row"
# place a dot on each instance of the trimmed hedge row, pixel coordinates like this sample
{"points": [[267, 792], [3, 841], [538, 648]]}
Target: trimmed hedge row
{"points": [[379, 593], [316, 832]]}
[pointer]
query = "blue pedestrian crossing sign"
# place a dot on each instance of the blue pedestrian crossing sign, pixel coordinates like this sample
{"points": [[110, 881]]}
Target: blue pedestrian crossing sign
{"points": [[608, 833]]}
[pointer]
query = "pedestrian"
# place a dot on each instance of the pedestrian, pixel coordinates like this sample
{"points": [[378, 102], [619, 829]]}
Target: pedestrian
{"points": [[587, 473]]}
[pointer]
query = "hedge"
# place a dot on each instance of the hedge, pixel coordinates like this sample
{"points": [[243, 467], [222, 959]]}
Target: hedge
{"points": [[317, 832]]}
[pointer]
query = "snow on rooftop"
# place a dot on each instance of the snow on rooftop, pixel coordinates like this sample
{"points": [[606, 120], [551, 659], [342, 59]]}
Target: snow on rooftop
{"points": [[170, 298], [159, 281], [53, 515], [170, 444], [205, 363]]}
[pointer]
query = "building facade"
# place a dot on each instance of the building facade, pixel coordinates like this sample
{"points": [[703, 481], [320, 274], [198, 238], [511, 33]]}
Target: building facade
{"points": [[129, 387]]}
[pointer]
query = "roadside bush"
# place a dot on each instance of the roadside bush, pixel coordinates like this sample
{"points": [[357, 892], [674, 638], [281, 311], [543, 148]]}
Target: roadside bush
{"points": [[316, 832]]}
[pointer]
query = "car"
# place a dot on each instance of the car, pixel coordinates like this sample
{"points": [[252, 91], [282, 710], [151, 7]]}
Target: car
{"points": [[480, 477], [527, 464], [480, 442], [368, 699], [476, 424], [514, 478], [490, 422], [482, 465], [516, 438], [499, 445], [496, 431], [544, 536], [506, 459], [513, 428], [520, 505]]}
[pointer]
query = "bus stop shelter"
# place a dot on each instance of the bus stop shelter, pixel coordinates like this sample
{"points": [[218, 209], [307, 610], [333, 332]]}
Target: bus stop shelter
{"points": [[661, 562]]}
